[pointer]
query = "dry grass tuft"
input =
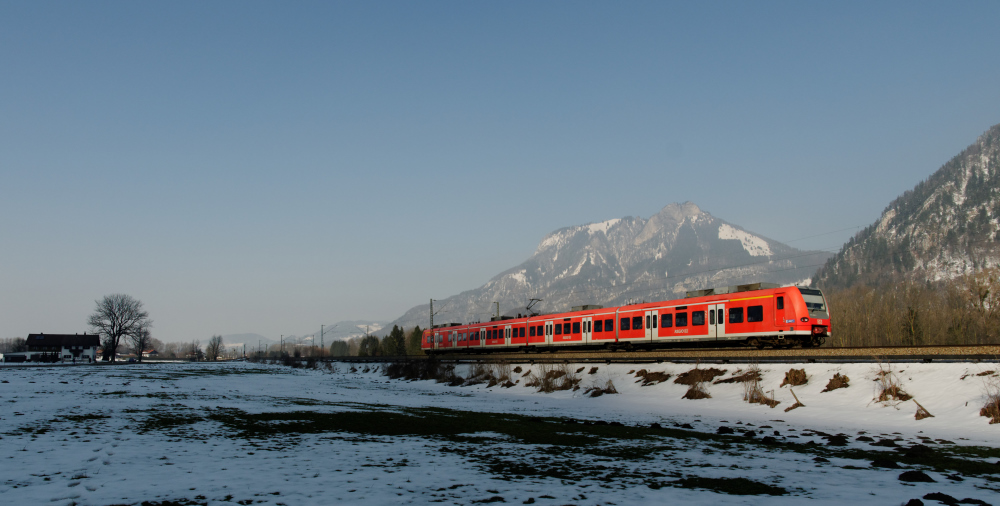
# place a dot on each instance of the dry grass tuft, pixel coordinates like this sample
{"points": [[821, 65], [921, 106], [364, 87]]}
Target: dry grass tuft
{"points": [[752, 391], [837, 381], [609, 388], [921, 412], [593, 370], [991, 409], [798, 403], [794, 378], [888, 387], [697, 391], [493, 374], [552, 378]]}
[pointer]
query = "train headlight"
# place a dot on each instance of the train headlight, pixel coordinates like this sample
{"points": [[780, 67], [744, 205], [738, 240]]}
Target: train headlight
{"points": [[803, 319]]}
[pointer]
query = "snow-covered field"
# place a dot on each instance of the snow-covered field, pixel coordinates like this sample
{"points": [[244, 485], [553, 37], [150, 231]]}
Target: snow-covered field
{"points": [[241, 433]]}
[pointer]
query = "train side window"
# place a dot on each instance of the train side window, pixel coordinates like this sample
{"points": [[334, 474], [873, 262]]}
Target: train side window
{"points": [[735, 315], [625, 324], [654, 321], [558, 329], [681, 319], [648, 323], [781, 303], [520, 332], [666, 321], [636, 323], [540, 327], [609, 325], [755, 314], [711, 317], [576, 327], [599, 326], [531, 332], [697, 317]]}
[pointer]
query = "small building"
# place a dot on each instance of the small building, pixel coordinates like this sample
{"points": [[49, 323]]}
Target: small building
{"points": [[57, 348]]}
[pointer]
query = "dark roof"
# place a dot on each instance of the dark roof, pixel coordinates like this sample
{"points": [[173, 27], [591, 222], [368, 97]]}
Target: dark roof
{"points": [[62, 340]]}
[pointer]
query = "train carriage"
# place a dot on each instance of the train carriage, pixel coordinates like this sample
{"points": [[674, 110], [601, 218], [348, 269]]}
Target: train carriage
{"points": [[757, 315]]}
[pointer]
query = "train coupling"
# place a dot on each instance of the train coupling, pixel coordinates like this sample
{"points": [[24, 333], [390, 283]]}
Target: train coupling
{"points": [[819, 330]]}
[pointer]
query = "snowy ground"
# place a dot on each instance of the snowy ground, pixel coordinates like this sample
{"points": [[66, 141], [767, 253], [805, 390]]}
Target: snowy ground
{"points": [[256, 434]]}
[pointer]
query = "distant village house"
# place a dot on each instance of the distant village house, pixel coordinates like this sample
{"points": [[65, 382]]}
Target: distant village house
{"points": [[76, 348]]}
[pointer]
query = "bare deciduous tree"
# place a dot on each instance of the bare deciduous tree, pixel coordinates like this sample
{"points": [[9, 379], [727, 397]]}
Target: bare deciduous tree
{"points": [[117, 316], [214, 348], [139, 341]]}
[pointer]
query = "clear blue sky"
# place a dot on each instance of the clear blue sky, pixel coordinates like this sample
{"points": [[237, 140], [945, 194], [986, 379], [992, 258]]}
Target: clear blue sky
{"points": [[271, 166]]}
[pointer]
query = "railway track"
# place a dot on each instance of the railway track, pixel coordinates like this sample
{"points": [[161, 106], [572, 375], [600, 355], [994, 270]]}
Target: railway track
{"points": [[976, 353]]}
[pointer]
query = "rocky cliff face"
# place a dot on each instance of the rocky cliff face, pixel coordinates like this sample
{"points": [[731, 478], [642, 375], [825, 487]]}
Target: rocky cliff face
{"points": [[945, 227], [680, 248]]}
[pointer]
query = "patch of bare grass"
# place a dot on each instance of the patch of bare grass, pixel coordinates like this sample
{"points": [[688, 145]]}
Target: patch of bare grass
{"points": [[794, 378], [752, 375], [593, 370], [651, 378], [696, 379], [698, 375], [837, 381]]}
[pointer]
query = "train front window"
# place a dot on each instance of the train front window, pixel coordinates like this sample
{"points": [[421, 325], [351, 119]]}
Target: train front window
{"points": [[815, 303]]}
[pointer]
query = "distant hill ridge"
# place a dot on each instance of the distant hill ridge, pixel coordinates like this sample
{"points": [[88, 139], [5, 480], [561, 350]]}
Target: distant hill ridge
{"points": [[946, 226], [678, 249]]}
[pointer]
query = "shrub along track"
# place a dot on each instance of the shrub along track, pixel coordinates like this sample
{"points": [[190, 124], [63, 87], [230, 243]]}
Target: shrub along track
{"points": [[963, 353]]}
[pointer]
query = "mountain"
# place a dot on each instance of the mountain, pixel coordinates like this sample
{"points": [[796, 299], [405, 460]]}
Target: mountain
{"points": [[944, 227], [678, 249], [337, 331], [348, 329]]}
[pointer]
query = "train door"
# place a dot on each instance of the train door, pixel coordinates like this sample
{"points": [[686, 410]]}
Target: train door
{"points": [[587, 329], [506, 335], [717, 320], [651, 317], [548, 332], [782, 317], [437, 340]]}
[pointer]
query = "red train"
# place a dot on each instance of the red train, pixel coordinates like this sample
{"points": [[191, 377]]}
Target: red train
{"points": [[754, 315]]}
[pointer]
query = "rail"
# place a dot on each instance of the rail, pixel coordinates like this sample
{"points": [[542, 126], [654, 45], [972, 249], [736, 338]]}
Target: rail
{"points": [[940, 353]]}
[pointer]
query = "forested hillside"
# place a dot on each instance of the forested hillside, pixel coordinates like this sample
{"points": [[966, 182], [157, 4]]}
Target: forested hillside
{"points": [[944, 228]]}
